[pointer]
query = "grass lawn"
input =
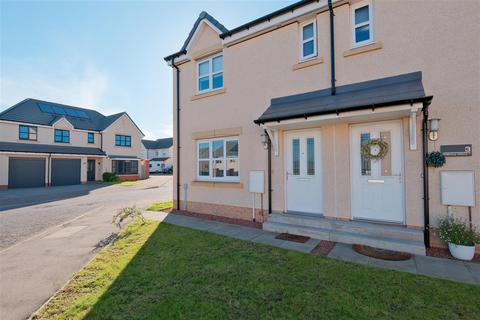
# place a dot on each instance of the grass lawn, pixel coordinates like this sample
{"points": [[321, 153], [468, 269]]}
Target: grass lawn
{"points": [[159, 206], [123, 183], [169, 272]]}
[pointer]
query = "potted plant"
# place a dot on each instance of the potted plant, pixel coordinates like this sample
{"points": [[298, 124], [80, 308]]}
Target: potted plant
{"points": [[460, 237]]}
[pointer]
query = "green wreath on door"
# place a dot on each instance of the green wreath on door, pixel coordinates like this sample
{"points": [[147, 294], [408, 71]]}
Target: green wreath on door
{"points": [[375, 149]]}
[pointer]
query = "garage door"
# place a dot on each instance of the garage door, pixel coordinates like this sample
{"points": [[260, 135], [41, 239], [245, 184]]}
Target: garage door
{"points": [[26, 172], [65, 172]]}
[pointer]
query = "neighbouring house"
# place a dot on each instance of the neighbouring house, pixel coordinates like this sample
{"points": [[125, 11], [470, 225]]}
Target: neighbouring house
{"points": [[159, 153], [335, 106], [44, 143]]}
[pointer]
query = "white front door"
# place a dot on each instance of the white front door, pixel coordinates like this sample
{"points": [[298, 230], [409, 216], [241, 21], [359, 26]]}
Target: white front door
{"points": [[377, 185], [303, 172]]}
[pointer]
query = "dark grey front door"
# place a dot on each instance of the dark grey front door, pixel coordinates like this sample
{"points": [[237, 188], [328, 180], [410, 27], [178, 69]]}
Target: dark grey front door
{"points": [[26, 172], [91, 170], [65, 171]]}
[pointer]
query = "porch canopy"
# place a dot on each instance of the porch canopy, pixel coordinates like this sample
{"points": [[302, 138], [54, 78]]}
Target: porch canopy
{"points": [[405, 89]]}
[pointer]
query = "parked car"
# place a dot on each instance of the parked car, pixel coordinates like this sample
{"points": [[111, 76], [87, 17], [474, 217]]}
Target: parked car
{"points": [[168, 169]]}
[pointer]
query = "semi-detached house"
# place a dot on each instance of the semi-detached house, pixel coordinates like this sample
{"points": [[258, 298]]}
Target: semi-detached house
{"points": [[337, 105], [44, 143]]}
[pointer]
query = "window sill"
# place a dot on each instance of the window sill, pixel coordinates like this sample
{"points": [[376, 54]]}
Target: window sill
{"points": [[365, 48], [307, 63], [26, 140], [217, 184], [207, 94]]}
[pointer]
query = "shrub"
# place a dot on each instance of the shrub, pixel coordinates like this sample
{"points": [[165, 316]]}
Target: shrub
{"points": [[109, 177], [457, 231], [128, 212]]}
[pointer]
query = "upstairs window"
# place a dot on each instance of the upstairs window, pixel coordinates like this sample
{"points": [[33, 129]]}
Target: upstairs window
{"points": [[91, 137], [62, 136], [27, 133], [210, 74], [308, 45], [123, 141], [362, 23]]}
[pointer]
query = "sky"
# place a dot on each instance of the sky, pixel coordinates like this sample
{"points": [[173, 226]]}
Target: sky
{"points": [[105, 55]]}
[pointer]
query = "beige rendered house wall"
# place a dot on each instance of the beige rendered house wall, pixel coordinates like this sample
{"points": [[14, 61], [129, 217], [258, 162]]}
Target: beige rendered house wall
{"points": [[78, 138], [438, 38], [45, 135], [123, 126]]}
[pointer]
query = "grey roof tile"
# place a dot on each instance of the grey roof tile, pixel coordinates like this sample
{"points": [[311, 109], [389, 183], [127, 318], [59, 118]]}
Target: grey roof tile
{"points": [[373, 93], [28, 111], [158, 144]]}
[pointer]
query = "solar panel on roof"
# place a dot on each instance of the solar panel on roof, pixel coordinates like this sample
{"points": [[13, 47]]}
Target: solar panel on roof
{"points": [[53, 109], [58, 110], [45, 108], [70, 112], [82, 114]]}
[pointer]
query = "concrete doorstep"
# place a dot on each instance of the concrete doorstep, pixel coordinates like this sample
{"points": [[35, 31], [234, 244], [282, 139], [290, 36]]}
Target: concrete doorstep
{"points": [[460, 271]]}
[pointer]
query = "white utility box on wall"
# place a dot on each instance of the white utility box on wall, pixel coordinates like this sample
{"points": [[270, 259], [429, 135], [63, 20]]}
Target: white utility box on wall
{"points": [[256, 182], [458, 188]]}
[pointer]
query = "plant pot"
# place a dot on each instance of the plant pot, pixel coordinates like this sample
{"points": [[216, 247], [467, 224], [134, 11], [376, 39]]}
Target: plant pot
{"points": [[462, 252]]}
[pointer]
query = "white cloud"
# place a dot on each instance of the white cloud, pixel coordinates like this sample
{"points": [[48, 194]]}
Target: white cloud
{"points": [[164, 131], [84, 86]]}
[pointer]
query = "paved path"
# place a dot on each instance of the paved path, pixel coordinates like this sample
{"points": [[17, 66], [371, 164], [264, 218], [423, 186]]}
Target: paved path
{"points": [[467, 272], [58, 239]]}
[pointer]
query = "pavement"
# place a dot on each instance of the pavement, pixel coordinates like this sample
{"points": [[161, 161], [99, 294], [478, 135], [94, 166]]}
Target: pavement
{"points": [[454, 270], [48, 234]]}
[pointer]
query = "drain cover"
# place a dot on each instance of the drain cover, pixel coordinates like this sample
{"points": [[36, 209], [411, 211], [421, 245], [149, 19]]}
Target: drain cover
{"points": [[381, 253]]}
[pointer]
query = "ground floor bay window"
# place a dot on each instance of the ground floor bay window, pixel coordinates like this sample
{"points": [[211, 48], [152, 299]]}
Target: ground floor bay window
{"points": [[123, 167], [218, 159]]}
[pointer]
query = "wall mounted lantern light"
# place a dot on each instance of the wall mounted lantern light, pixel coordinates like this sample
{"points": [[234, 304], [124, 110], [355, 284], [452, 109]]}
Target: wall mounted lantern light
{"points": [[433, 125], [265, 141]]}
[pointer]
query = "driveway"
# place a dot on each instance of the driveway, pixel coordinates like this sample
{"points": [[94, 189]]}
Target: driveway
{"points": [[47, 234]]}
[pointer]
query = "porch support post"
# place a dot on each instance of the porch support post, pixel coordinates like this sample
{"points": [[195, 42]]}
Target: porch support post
{"points": [[413, 130], [426, 209]]}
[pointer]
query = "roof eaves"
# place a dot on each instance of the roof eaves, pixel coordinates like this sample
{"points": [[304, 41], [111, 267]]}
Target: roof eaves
{"points": [[203, 15], [267, 17], [426, 99]]}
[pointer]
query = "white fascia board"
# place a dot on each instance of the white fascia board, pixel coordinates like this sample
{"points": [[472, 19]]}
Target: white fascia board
{"points": [[281, 20], [128, 117], [187, 56], [379, 114], [62, 117], [211, 25]]}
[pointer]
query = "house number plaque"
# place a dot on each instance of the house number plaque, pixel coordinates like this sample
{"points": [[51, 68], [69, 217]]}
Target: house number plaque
{"points": [[456, 150]]}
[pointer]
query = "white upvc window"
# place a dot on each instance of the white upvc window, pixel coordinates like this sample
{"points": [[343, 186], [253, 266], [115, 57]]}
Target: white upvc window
{"points": [[308, 40], [210, 74], [218, 159], [362, 23]]}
